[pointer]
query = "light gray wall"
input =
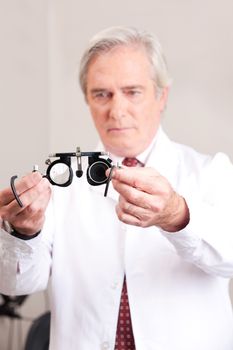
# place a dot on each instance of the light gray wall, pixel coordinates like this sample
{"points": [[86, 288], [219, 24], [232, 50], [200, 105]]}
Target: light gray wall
{"points": [[42, 109], [197, 37], [24, 114]]}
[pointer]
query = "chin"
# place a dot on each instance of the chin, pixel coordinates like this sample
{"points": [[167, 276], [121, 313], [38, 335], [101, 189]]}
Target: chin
{"points": [[125, 146], [123, 150]]}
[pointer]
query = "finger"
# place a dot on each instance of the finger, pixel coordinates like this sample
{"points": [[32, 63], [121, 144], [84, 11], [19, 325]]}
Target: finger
{"points": [[31, 219], [140, 213], [22, 185], [134, 195], [141, 178], [126, 174], [127, 218], [138, 216], [36, 207], [28, 197], [107, 172], [32, 194]]}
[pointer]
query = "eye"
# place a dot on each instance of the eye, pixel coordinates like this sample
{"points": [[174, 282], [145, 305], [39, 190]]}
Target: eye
{"points": [[101, 95], [133, 93]]}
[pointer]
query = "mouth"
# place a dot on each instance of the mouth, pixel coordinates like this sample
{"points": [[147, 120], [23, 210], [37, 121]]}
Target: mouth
{"points": [[119, 130]]}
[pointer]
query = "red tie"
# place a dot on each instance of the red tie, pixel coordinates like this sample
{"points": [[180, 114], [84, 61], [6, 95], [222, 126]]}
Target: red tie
{"points": [[124, 333], [131, 162]]}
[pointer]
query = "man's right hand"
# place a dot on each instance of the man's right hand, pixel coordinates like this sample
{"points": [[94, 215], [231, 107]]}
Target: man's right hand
{"points": [[34, 192]]}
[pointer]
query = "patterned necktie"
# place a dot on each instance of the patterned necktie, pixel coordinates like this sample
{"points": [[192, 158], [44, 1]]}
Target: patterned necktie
{"points": [[132, 162], [124, 333]]}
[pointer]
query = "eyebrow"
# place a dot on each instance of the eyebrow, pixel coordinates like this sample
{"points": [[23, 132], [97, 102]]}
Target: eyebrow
{"points": [[127, 87], [131, 87], [93, 91]]}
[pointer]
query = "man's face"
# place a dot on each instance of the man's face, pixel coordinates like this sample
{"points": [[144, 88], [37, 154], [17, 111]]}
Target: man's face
{"points": [[123, 102]]}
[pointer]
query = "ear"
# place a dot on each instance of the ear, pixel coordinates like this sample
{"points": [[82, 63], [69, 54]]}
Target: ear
{"points": [[163, 96]]}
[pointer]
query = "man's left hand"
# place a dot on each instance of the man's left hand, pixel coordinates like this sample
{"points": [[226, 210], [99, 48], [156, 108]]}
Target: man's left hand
{"points": [[147, 199]]}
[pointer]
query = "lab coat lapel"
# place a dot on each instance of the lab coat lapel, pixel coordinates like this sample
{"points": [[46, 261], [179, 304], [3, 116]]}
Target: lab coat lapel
{"points": [[164, 158]]}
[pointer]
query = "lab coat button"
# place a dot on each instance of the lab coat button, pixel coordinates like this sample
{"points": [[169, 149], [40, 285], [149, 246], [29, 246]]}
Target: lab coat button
{"points": [[105, 345]]}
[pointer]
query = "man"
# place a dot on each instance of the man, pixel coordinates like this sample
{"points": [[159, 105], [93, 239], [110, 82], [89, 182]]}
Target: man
{"points": [[170, 244]]}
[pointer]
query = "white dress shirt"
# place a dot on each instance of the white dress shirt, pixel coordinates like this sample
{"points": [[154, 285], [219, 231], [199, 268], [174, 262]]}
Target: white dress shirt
{"points": [[177, 282]]}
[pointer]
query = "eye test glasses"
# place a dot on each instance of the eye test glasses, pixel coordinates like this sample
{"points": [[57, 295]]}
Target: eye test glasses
{"points": [[60, 173]]}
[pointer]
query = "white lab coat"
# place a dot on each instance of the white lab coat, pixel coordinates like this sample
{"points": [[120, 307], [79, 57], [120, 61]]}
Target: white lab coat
{"points": [[177, 283]]}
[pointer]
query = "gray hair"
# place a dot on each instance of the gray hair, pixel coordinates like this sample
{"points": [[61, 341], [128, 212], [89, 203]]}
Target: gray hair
{"points": [[111, 37]]}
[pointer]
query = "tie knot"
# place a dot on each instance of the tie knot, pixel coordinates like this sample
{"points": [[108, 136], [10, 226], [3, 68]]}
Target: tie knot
{"points": [[131, 162]]}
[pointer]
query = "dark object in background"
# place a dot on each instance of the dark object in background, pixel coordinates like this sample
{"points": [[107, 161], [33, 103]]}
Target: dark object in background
{"points": [[8, 308], [38, 334], [10, 304]]}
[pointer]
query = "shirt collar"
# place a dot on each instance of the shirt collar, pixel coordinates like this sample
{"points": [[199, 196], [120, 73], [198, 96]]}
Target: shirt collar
{"points": [[142, 157]]}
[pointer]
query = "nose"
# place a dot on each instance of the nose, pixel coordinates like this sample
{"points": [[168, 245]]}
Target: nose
{"points": [[117, 107]]}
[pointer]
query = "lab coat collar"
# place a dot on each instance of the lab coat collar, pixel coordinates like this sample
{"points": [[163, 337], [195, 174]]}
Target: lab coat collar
{"points": [[164, 158]]}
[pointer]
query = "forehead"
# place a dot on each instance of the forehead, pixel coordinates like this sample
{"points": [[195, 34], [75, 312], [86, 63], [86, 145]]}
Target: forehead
{"points": [[120, 63]]}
